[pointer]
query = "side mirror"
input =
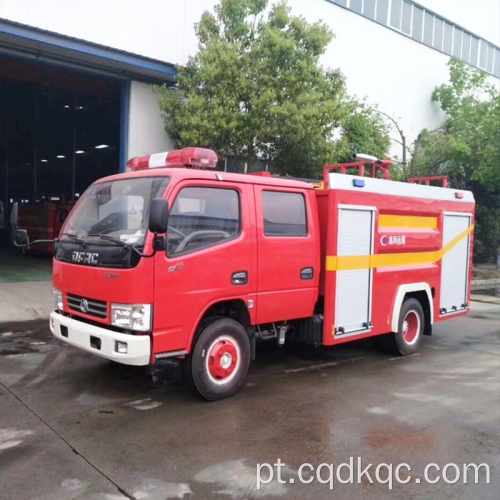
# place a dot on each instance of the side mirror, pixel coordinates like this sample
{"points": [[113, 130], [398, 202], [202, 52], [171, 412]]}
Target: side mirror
{"points": [[158, 216], [20, 238], [14, 216]]}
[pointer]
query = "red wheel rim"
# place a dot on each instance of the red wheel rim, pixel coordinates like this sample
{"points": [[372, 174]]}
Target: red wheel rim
{"points": [[222, 360], [411, 327]]}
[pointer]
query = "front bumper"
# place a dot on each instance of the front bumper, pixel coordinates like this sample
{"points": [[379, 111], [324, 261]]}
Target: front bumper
{"points": [[101, 341]]}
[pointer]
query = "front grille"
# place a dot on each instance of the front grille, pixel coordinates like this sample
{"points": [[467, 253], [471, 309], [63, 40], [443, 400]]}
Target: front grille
{"points": [[97, 308]]}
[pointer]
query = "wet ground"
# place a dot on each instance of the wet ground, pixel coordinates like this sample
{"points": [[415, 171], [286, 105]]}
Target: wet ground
{"points": [[75, 427]]}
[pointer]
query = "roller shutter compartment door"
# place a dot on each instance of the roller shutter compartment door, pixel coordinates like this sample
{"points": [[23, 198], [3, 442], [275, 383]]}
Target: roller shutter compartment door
{"points": [[353, 292], [455, 265]]}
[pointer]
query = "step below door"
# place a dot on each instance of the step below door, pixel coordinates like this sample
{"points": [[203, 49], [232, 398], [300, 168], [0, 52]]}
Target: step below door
{"points": [[354, 286], [455, 264]]}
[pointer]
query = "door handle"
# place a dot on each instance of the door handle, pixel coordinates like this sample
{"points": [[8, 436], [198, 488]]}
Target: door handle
{"points": [[239, 278], [307, 273]]}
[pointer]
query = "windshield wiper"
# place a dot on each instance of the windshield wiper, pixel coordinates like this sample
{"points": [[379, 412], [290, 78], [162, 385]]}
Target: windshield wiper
{"points": [[121, 243], [110, 238], [74, 238]]}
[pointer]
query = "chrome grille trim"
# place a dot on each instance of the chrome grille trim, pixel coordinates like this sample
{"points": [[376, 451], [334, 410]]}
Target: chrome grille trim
{"points": [[97, 308]]}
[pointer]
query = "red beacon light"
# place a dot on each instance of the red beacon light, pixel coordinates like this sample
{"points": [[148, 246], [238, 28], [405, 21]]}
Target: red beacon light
{"points": [[187, 157]]}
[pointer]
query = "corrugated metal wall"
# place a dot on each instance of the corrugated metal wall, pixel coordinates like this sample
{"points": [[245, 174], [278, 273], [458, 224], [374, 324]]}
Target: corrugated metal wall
{"points": [[388, 68]]}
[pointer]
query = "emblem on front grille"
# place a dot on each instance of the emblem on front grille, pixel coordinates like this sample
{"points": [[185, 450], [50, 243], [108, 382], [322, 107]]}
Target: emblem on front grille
{"points": [[84, 306]]}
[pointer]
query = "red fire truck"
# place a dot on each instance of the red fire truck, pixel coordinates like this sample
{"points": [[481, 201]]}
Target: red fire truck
{"points": [[175, 260]]}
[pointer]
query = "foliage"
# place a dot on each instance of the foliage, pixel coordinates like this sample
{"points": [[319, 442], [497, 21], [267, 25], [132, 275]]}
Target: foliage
{"points": [[256, 90], [467, 148], [487, 230], [364, 131]]}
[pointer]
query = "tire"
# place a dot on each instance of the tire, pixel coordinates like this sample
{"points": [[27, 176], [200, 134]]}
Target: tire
{"points": [[219, 361], [410, 327]]}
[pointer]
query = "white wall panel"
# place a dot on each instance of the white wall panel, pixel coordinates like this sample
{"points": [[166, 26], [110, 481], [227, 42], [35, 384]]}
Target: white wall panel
{"points": [[384, 66], [146, 130], [161, 29]]}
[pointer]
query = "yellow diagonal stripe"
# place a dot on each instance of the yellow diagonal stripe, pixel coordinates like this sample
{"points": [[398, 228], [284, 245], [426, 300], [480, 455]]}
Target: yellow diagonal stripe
{"points": [[407, 221], [349, 263]]}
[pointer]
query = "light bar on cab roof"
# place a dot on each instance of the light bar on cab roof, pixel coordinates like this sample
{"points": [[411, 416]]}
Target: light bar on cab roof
{"points": [[187, 157]]}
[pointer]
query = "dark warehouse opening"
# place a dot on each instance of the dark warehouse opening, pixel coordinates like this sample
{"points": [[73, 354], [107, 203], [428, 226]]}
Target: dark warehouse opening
{"points": [[59, 132]]}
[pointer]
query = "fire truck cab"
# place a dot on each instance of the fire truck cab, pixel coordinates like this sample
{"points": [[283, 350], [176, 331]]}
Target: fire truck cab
{"points": [[172, 261]]}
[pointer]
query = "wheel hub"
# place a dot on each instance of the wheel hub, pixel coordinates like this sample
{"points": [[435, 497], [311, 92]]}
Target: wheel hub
{"points": [[411, 327], [226, 360], [222, 359]]}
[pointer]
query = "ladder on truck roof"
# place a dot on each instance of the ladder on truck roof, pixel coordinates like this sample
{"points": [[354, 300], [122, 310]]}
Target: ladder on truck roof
{"points": [[361, 164]]}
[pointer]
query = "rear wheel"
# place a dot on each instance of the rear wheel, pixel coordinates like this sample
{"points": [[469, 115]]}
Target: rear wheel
{"points": [[219, 361], [411, 326]]}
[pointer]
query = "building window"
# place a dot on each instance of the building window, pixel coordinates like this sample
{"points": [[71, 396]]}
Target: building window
{"points": [[457, 42], [396, 10], [418, 21], [448, 38], [369, 8], [474, 48], [434, 31], [466, 47], [438, 34], [483, 57], [202, 217], [491, 56], [406, 25], [382, 10], [428, 28], [356, 6], [284, 214]]}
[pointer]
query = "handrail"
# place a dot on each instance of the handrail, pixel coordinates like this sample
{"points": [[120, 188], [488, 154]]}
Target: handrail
{"points": [[427, 180], [383, 165]]}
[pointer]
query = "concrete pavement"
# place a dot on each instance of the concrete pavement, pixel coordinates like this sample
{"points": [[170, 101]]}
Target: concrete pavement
{"points": [[75, 427], [25, 301]]}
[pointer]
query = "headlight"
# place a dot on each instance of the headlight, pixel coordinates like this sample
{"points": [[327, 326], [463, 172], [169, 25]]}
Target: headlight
{"points": [[58, 300], [132, 316]]}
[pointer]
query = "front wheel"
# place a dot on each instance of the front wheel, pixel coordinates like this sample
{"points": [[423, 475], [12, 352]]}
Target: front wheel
{"points": [[219, 361]]}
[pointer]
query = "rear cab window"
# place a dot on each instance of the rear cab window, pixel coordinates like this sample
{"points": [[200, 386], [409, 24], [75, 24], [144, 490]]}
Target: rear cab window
{"points": [[284, 213]]}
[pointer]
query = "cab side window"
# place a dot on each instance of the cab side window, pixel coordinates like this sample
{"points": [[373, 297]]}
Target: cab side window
{"points": [[284, 214], [202, 217]]}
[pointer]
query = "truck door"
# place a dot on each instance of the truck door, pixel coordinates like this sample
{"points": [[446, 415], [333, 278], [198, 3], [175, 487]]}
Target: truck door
{"points": [[210, 257], [354, 277], [287, 254]]}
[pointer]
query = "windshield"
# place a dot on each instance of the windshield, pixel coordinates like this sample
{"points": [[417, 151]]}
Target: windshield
{"points": [[117, 209]]}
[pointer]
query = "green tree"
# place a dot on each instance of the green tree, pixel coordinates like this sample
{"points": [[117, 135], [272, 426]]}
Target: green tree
{"points": [[364, 130], [256, 90], [467, 148]]}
